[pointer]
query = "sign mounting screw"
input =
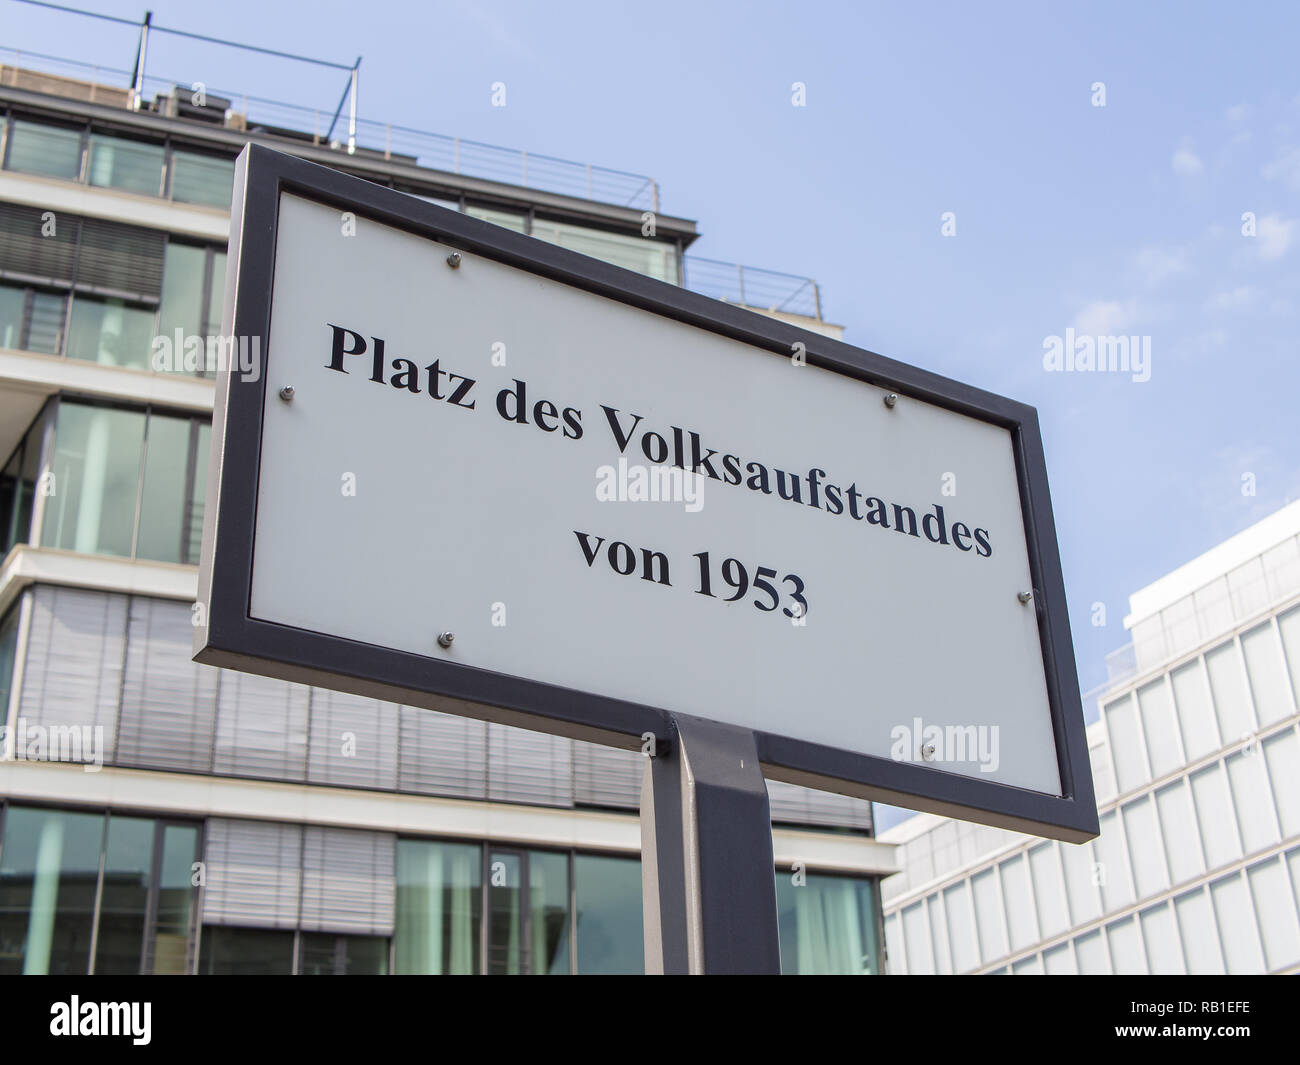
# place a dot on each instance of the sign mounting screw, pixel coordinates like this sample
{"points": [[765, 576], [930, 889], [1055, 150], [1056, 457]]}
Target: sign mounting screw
{"points": [[453, 260], [1024, 597], [445, 638], [890, 399], [286, 393]]}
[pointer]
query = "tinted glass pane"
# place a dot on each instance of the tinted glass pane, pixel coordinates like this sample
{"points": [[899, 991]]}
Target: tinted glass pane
{"points": [[122, 164], [505, 919], [609, 929], [322, 954], [12, 301], [176, 893], [182, 297], [110, 332], [641, 254], [163, 535], [45, 330], [37, 149], [216, 292], [49, 868], [8, 646], [194, 515], [827, 925], [438, 907], [128, 862], [202, 179], [548, 913], [498, 218], [245, 952], [96, 466]]}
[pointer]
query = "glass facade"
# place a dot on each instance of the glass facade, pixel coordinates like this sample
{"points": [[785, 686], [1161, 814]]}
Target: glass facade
{"points": [[828, 925], [94, 893], [124, 888], [102, 292], [111, 161]]}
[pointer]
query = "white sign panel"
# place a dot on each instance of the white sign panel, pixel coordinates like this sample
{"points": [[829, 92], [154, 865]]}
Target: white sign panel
{"points": [[475, 450]]}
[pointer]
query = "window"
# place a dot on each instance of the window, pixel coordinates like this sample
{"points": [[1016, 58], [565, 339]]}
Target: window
{"points": [[321, 954], [18, 487], [31, 319], [128, 483], [128, 862], [528, 912], [439, 907], [113, 271], [13, 304], [111, 332], [120, 163], [193, 288], [8, 649], [509, 219], [96, 471], [69, 880], [229, 951], [202, 179], [827, 925], [48, 873], [35, 148], [608, 916], [133, 166]]}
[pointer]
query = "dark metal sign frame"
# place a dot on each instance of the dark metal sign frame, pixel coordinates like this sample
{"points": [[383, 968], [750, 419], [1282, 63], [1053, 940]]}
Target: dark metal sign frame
{"points": [[231, 637]]}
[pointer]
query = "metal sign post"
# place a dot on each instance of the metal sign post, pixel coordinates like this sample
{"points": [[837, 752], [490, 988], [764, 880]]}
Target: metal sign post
{"points": [[707, 869]]}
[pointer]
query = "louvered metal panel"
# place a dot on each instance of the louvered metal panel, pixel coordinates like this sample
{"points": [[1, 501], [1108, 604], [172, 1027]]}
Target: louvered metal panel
{"points": [[261, 727], [73, 671], [348, 881], [607, 776], [442, 755], [120, 258], [353, 741], [252, 874], [529, 766], [169, 702], [28, 248]]}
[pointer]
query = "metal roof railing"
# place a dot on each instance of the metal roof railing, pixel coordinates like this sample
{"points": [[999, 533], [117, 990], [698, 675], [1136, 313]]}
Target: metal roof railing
{"points": [[436, 151], [749, 286]]}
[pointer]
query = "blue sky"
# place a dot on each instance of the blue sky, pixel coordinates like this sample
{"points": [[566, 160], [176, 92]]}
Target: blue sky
{"points": [[1122, 219]]}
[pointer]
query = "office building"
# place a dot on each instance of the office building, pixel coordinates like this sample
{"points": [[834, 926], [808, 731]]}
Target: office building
{"points": [[239, 824]]}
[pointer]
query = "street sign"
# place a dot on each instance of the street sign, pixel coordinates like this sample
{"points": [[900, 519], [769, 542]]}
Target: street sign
{"points": [[490, 476]]}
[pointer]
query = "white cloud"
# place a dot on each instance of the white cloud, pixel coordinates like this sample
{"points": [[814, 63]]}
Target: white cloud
{"points": [[1154, 265], [1103, 318], [1231, 300], [1285, 168], [1237, 112], [1274, 235], [1186, 163]]}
